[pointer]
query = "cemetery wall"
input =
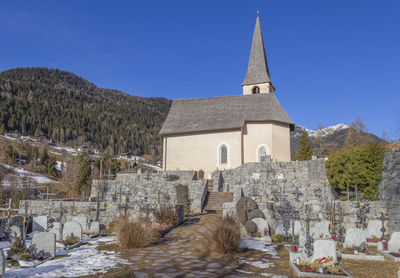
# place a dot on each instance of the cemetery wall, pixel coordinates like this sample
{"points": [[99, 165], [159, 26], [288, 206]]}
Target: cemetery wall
{"points": [[266, 182], [389, 188]]}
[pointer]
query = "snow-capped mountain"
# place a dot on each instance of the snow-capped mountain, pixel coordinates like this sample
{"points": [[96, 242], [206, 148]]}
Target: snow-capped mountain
{"points": [[326, 140], [326, 131]]}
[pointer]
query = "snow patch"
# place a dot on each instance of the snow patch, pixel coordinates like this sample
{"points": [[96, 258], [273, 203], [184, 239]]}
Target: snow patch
{"points": [[23, 173], [85, 260]]}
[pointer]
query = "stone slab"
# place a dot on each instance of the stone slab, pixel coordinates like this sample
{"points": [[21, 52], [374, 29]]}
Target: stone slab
{"points": [[94, 228], [324, 248], [394, 242], [374, 228], [389, 256], [2, 263], [39, 223], [81, 220], [320, 228], [262, 226], [354, 237], [43, 244], [362, 257], [56, 229], [72, 228]]}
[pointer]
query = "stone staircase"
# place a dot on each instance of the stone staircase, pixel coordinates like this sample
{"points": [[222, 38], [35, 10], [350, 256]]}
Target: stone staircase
{"points": [[214, 200]]}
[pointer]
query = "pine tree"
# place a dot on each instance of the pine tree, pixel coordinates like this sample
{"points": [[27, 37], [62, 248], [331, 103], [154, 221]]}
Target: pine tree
{"points": [[84, 179], [305, 150]]}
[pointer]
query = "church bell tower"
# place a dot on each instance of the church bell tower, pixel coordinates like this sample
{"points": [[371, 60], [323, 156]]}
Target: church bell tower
{"points": [[257, 80]]}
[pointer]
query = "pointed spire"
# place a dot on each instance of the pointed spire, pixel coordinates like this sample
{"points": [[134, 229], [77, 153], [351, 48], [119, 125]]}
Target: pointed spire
{"points": [[257, 71]]}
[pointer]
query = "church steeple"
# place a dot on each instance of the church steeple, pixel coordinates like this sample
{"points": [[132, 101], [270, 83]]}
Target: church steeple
{"points": [[257, 79]]}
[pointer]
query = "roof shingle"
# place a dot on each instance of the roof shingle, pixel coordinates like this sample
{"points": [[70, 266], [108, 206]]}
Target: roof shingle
{"points": [[218, 113]]}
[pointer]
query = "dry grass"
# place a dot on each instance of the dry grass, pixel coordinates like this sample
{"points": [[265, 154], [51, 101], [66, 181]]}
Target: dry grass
{"points": [[165, 214], [225, 236], [133, 234]]}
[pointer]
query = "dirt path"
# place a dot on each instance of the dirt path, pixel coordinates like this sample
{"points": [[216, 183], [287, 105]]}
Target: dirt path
{"points": [[180, 255]]}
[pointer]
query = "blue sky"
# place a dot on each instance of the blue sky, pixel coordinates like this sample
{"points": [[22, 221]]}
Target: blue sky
{"points": [[330, 61]]}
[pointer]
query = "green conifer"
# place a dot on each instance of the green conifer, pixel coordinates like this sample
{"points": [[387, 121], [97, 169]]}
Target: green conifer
{"points": [[305, 150]]}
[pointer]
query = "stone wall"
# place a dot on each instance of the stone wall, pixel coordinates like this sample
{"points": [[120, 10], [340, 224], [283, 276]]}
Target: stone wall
{"points": [[389, 188], [149, 189], [265, 182]]}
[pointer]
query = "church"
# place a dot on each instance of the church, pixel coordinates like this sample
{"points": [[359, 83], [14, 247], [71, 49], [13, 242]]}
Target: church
{"points": [[218, 133]]}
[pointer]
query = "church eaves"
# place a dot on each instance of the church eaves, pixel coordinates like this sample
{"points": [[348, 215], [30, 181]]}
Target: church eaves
{"points": [[219, 113], [257, 71]]}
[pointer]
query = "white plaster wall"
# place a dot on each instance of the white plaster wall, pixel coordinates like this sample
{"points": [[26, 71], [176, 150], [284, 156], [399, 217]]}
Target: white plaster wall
{"points": [[201, 151], [276, 138], [281, 142]]}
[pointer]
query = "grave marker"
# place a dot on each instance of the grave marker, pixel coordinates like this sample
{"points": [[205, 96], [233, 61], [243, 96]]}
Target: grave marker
{"points": [[394, 242], [43, 245], [2, 263], [39, 223], [355, 237], [56, 229], [324, 248], [72, 229]]}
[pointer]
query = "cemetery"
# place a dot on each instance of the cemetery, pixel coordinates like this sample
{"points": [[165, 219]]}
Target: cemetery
{"points": [[277, 204]]}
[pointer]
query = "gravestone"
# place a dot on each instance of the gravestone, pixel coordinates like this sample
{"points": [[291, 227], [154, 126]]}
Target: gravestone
{"points": [[43, 245], [94, 228], [72, 228], [39, 223], [244, 207], [251, 227], [320, 228], [374, 228], [2, 263], [394, 242], [262, 225], [56, 229], [81, 220], [355, 237], [229, 209], [324, 248]]}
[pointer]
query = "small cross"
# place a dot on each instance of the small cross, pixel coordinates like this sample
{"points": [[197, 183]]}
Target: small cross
{"points": [[297, 193], [246, 207]]}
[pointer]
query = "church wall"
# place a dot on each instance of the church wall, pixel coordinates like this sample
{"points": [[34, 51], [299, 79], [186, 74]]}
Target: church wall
{"points": [[256, 135], [280, 142], [201, 151]]}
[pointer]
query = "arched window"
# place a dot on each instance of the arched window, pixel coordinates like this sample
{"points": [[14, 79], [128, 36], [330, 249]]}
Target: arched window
{"points": [[255, 90], [262, 154], [223, 155]]}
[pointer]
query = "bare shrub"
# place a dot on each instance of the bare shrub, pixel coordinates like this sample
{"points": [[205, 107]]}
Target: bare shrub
{"points": [[165, 214], [133, 234], [225, 235]]}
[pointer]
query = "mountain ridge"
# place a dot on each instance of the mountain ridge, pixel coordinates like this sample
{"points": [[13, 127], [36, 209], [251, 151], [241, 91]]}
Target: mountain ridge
{"points": [[73, 110]]}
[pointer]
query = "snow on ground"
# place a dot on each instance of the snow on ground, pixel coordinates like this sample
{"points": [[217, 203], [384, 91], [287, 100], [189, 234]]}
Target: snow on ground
{"points": [[85, 260], [261, 244], [23, 173], [67, 149], [152, 166]]}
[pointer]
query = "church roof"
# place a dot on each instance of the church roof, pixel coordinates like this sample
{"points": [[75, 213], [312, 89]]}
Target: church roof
{"points": [[257, 71], [219, 113]]}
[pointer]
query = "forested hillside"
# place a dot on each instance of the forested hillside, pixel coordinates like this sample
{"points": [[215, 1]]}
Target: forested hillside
{"points": [[72, 110]]}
